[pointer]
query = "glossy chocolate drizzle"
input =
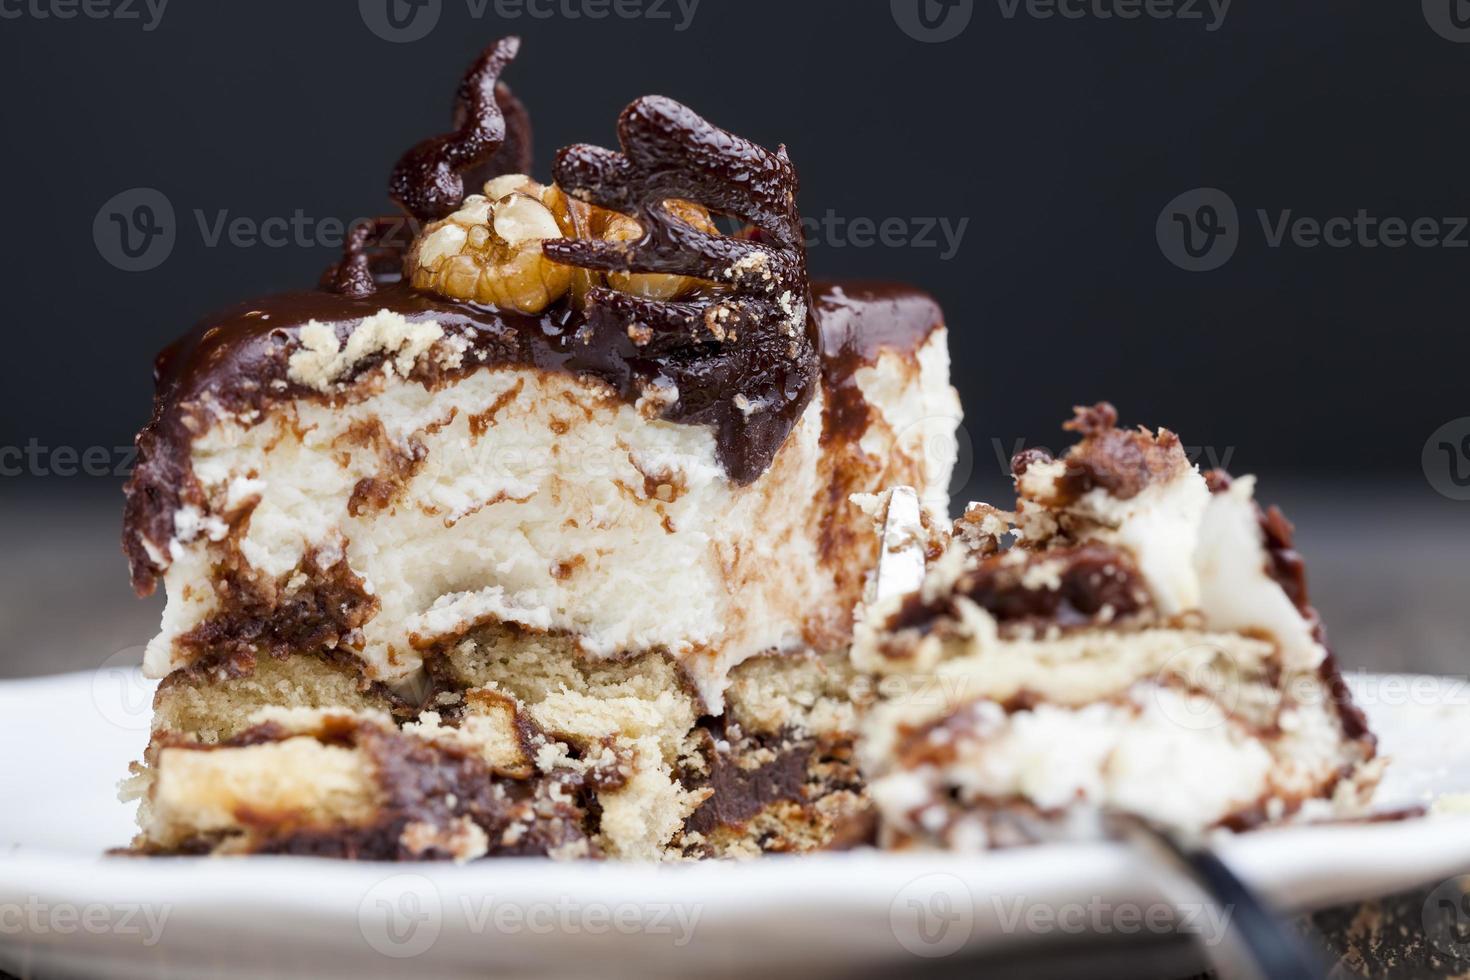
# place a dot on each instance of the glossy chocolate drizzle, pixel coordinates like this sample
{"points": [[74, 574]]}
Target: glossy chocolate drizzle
{"points": [[373, 250], [429, 180], [742, 353], [671, 153]]}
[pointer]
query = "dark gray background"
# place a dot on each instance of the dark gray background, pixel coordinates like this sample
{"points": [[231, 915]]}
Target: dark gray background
{"points": [[1059, 140]]}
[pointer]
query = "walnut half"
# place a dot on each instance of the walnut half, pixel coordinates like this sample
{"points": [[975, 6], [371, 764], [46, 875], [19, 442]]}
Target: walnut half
{"points": [[489, 251]]}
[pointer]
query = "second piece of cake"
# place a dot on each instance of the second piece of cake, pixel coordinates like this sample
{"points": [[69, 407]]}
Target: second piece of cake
{"points": [[1145, 645]]}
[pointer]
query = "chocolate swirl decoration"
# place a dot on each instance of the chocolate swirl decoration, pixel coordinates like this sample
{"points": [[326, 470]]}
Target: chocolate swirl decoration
{"points": [[492, 136], [373, 249], [429, 180], [747, 339], [671, 153]]}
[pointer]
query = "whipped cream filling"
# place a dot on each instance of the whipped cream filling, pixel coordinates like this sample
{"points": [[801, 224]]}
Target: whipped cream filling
{"points": [[540, 499], [1160, 527], [1205, 553], [1236, 593]]}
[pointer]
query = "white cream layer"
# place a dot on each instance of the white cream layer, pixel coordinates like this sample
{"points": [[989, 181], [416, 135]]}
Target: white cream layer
{"points": [[570, 512]]}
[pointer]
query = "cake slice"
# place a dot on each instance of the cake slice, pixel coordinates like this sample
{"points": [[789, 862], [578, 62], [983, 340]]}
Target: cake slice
{"points": [[1134, 637], [551, 509]]}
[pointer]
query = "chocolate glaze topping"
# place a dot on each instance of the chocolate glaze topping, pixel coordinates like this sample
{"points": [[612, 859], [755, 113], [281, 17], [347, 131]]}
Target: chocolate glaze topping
{"points": [[239, 359], [858, 320], [491, 137], [750, 334]]}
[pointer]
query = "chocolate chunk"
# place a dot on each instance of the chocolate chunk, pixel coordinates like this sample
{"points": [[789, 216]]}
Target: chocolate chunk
{"points": [[1121, 461], [1093, 584], [740, 794]]}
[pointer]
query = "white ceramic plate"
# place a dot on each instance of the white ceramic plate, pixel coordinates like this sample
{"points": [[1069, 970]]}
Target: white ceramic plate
{"points": [[67, 910]]}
